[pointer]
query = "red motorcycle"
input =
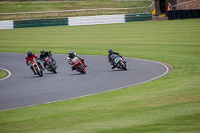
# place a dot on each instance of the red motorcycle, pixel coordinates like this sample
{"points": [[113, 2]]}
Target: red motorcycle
{"points": [[77, 63]]}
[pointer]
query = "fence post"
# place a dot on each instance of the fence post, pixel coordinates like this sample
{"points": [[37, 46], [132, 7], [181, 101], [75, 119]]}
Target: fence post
{"points": [[86, 13], [31, 15], [16, 16]]}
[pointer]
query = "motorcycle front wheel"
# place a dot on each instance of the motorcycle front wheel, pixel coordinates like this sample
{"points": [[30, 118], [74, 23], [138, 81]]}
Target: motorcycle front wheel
{"points": [[80, 67], [123, 66], [39, 72], [53, 69]]}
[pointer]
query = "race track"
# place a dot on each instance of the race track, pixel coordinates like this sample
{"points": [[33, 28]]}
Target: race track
{"points": [[23, 89]]}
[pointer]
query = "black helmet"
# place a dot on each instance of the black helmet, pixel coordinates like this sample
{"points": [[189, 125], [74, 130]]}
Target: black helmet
{"points": [[110, 51], [71, 54], [42, 51], [29, 53]]}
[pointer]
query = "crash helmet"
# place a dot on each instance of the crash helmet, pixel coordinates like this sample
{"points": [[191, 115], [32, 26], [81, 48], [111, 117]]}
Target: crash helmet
{"points": [[110, 51], [71, 54], [42, 51], [29, 53]]}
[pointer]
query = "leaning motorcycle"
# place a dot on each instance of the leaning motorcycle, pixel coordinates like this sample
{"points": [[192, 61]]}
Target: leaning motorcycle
{"points": [[118, 62], [50, 65], [77, 63], [36, 67]]}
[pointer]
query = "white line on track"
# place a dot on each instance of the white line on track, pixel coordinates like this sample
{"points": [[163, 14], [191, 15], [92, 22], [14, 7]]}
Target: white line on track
{"points": [[9, 73]]}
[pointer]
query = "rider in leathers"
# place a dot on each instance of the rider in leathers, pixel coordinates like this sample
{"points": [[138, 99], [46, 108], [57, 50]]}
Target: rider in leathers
{"points": [[71, 56], [45, 54], [110, 52], [29, 58]]}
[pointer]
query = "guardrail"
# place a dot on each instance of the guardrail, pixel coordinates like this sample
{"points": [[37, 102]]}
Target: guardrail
{"points": [[73, 13]]}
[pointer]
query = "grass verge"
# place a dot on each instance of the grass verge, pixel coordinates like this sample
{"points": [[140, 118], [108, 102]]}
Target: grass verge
{"points": [[169, 104], [2, 73], [31, 6]]}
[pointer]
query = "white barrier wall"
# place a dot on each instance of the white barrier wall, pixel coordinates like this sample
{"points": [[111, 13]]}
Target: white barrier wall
{"points": [[6, 24], [103, 19], [70, 21]]}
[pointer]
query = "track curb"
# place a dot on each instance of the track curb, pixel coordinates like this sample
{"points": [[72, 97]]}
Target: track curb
{"points": [[8, 73]]}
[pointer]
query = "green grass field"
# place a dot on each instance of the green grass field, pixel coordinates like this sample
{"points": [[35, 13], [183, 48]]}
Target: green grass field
{"points": [[170, 104]]}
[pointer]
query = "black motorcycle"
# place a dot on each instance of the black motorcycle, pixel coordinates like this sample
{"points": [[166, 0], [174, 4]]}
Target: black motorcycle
{"points": [[118, 62], [50, 64]]}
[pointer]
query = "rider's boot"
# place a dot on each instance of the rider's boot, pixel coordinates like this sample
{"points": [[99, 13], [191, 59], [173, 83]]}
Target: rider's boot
{"points": [[82, 60], [73, 68], [112, 66]]}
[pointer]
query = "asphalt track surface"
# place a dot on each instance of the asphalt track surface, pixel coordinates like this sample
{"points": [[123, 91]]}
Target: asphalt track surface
{"points": [[23, 89]]}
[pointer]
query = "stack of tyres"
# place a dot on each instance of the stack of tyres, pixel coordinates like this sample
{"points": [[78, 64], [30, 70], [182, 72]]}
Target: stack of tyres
{"points": [[185, 14], [196, 13], [180, 14], [198, 10], [169, 14], [175, 14], [190, 14]]}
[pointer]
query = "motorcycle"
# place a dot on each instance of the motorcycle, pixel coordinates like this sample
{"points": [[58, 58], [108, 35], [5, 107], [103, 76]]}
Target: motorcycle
{"points": [[50, 65], [118, 62], [77, 63], [36, 67]]}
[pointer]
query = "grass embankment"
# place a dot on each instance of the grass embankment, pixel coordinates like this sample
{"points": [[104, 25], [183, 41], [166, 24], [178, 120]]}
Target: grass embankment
{"points": [[2, 73], [169, 104], [10, 7]]}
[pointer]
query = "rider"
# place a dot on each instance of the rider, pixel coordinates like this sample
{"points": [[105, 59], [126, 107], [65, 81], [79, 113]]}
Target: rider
{"points": [[45, 54], [110, 52], [71, 56], [30, 57]]}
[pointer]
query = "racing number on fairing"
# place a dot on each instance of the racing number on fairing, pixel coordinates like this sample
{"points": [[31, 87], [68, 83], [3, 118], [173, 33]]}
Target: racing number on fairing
{"points": [[116, 60], [75, 60]]}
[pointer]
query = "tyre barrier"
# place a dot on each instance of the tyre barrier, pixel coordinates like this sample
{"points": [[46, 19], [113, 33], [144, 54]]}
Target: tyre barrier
{"points": [[183, 14]]}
